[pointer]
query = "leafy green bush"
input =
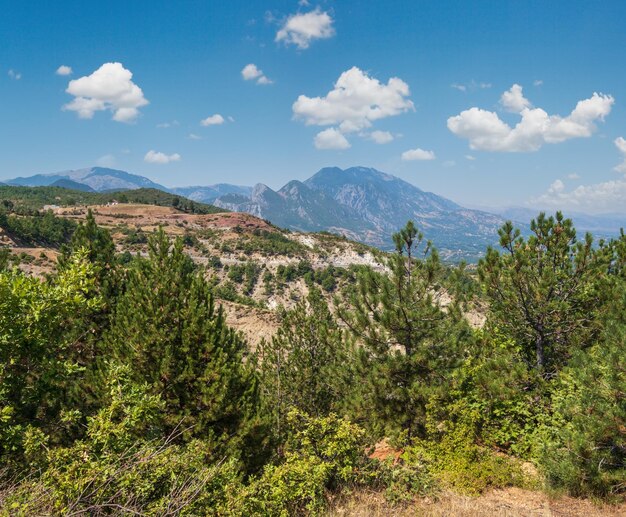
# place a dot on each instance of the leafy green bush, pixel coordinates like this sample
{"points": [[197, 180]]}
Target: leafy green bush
{"points": [[42, 353], [124, 466], [320, 454], [459, 463]]}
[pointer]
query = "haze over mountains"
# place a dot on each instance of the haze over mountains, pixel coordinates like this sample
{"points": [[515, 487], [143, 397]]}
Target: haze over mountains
{"points": [[361, 203]]}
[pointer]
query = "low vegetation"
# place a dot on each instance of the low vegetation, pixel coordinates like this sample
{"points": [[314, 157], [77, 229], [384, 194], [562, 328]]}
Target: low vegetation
{"points": [[35, 198], [124, 391]]}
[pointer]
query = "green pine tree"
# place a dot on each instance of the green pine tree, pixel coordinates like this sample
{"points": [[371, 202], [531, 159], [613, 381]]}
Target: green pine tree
{"points": [[100, 250], [167, 329], [546, 292], [582, 449], [306, 364], [409, 343]]}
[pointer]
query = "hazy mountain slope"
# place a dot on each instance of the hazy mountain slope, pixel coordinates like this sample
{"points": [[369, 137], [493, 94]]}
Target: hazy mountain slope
{"points": [[98, 178], [72, 185], [598, 225], [209, 193], [368, 205], [359, 202], [298, 207]]}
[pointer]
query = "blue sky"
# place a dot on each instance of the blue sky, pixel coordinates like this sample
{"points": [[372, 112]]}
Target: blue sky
{"points": [[413, 88]]}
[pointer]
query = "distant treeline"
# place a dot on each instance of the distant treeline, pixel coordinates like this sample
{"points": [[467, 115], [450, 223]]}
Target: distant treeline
{"points": [[35, 198]]}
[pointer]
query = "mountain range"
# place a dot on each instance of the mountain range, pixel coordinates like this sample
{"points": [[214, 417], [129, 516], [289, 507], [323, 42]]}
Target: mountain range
{"points": [[100, 179], [360, 203]]}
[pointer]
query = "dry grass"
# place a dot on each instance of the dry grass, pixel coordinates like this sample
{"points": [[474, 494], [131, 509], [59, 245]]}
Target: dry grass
{"points": [[510, 502]]}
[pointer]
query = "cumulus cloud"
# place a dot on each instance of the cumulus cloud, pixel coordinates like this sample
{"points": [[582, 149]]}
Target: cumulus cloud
{"points": [[160, 158], [251, 72], [213, 120], [108, 88], [513, 100], [264, 80], [302, 28], [620, 143], [486, 131], [16, 76], [355, 102], [608, 196], [418, 154], [64, 70], [573, 176], [381, 137], [331, 138], [556, 187]]}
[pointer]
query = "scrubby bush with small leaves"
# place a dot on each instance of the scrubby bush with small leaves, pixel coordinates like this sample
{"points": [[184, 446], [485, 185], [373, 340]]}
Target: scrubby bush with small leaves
{"points": [[320, 454]]}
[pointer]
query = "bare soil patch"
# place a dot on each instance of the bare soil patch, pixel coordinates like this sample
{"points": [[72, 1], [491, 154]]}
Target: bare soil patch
{"points": [[510, 502]]}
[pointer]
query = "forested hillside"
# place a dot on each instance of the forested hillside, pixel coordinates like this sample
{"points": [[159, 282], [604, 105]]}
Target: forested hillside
{"points": [[125, 391], [20, 198]]}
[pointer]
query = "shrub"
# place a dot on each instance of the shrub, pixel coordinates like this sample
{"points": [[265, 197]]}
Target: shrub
{"points": [[459, 463], [321, 454], [118, 469]]}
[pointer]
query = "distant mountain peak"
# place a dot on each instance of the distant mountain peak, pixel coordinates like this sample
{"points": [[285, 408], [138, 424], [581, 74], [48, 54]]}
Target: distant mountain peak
{"points": [[97, 178], [368, 205]]}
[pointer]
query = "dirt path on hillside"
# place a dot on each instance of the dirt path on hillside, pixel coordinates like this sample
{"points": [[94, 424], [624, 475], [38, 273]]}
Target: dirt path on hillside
{"points": [[510, 502]]}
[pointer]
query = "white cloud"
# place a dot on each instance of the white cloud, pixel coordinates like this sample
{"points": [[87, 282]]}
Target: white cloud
{"points": [[418, 154], [264, 80], [513, 100], [355, 102], [486, 131], [160, 158], [537, 82], [16, 76], [302, 28], [64, 70], [250, 72], [620, 143], [381, 137], [472, 85], [193, 136], [213, 120], [556, 187], [609, 196], [108, 88], [331, 138], [470, 157], [573, 176]]}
